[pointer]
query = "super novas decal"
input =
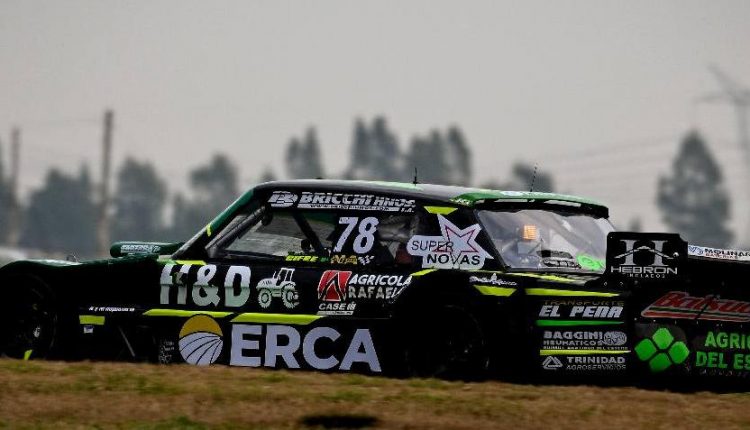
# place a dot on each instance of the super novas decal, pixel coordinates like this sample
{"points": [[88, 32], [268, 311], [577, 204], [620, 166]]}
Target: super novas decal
{"points": [[455, 248]]}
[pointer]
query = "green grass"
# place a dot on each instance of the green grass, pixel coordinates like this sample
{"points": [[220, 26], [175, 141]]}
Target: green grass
{"points": [[53, 395]]}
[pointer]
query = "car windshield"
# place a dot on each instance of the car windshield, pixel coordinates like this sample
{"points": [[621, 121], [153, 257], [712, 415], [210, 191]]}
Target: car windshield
{"points": [[548, 240]]}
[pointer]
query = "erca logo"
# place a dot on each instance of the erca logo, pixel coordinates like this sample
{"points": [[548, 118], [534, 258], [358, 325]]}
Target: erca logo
{"points": [[652, 260], [321, 348], [282, 199], [200, 340], [333, 285]]}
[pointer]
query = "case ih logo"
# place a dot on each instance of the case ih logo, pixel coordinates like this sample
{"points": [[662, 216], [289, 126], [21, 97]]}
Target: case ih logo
{"points": [[681, 305], [644, 256], [333, 285]]}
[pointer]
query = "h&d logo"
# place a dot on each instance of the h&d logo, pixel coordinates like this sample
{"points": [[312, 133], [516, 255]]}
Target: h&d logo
{"points": [[200, 340]]}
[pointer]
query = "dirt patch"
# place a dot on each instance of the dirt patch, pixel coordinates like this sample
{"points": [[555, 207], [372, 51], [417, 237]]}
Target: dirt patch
{"points": [[142, 396]]}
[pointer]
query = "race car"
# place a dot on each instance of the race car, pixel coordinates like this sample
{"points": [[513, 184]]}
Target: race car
{"points": [[400, 279]]}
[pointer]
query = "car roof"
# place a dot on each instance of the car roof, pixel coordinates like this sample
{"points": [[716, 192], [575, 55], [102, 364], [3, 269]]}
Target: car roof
{"points": [[465, 196], [446, 194]]}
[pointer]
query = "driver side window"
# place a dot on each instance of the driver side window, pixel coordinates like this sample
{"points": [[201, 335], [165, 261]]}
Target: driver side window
{"points": [[274, 233], [279, 237]]}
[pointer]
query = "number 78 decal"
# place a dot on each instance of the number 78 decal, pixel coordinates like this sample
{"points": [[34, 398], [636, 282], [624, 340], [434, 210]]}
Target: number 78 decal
{"points": [[365, 238]]}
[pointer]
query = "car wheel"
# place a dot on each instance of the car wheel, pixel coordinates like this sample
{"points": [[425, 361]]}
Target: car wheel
{"points": [[28, 327], [448, 343]]}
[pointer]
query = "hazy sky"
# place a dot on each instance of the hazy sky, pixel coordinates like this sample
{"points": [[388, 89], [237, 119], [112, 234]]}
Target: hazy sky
{"points": [[598, 92]]}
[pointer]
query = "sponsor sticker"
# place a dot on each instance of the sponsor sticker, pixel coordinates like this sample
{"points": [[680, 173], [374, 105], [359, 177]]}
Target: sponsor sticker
{"points": [[282, 199], [175, 288], [166, 351], [346, 201], [110, 309], [723, 353], [339, 290], [376, 287], [322, 348], [718, 254], [653, 250], [588, 363], [584, 363], [492, 280], [681, 305], [581, 309], [455, 248], [201, 340], [332, 293], [662, 347], [279, 286], [551, 363], [353, 260], [584, 340], [306, 259], [140, 248]]}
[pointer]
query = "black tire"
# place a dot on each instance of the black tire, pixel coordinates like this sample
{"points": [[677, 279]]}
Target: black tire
{"points": [[447, 343], [29, 322]]}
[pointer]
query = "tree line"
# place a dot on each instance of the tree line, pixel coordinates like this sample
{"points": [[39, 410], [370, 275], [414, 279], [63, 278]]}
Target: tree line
{"points": [[61, 216]]}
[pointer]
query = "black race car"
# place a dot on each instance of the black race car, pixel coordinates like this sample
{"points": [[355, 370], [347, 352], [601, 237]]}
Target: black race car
{"points": [[396, 278]]}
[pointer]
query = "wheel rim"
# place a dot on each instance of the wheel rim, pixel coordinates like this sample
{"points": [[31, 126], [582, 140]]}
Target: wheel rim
{"points": [[453, 347], [28, 328]]}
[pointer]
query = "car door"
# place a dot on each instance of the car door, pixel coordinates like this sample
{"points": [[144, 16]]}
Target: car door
{"points": [[272, 258], [323, 262]]}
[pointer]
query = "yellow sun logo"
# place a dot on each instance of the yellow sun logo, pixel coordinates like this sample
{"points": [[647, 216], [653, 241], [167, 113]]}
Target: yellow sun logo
{"points": [[201, 340]]}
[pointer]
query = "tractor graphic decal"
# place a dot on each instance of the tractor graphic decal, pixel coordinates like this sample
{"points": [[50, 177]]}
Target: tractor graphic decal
{"points": [[279, 285]]}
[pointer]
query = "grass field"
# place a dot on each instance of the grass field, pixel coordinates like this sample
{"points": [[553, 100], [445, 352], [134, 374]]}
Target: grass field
{"points": [[138, 396]]}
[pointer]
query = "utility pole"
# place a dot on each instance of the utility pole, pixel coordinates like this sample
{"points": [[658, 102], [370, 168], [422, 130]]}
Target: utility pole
{"points": [[14, 218], [104, 197], [739, 97]]}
